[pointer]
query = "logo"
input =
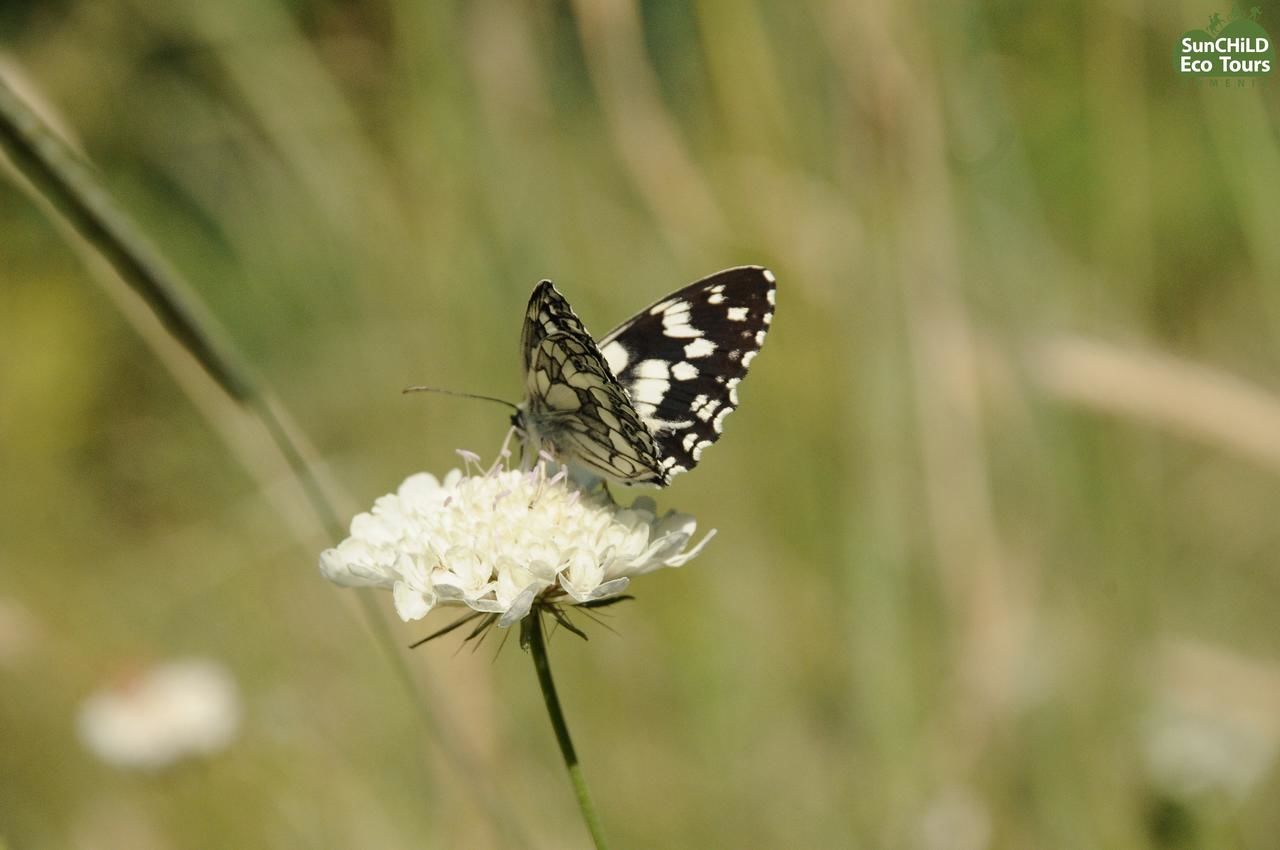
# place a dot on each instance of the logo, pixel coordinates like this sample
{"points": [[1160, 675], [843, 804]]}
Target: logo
{"points": [[1235, 46]]}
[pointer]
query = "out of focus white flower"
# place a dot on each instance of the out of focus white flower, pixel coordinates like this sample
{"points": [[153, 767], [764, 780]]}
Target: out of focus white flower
{"points": [[956, 819], [499, 540], [161, 715], [1214, 724]]}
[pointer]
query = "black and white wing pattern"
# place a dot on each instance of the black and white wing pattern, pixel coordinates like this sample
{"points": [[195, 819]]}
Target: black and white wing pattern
{"points": [[681, 360], [645, 403], [574, 405]]}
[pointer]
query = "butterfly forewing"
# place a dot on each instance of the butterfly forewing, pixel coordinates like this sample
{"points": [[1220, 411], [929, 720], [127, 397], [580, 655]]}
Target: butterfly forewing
{"points": [[644, 404], [681, 359], [574, 402], [548, 313]]}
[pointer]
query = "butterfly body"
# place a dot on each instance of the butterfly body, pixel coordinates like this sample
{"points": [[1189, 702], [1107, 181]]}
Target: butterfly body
{"points": [[641, 405]]}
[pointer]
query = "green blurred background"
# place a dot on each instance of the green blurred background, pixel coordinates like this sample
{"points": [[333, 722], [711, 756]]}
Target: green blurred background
{"points": [[996, 563]]}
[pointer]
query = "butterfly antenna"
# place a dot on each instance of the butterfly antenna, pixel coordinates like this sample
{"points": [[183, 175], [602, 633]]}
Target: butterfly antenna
{"points": [[459, 395]]}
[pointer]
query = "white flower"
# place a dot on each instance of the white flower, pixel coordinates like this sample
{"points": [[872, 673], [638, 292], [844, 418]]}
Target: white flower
{"points": [[501, 540], [158, 716], [1213, 726], [955, 819], [1189, 752]]}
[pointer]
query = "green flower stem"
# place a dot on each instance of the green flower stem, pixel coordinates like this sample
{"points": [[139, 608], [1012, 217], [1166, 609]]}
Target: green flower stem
{"points": [[538, 649]]}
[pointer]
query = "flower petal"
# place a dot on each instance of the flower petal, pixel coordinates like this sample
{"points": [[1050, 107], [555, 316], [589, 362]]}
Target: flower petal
{"points": [[519, 608], [610, 588], [412, 604], [681, 559], [339, 568]]}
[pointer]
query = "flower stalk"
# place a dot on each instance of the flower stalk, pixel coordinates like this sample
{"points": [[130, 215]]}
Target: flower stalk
{"points": [[533, 640]]}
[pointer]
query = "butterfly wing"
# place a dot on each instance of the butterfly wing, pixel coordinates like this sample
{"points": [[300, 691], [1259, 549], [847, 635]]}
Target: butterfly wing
{"points": [[681, 359], [574, 403]]}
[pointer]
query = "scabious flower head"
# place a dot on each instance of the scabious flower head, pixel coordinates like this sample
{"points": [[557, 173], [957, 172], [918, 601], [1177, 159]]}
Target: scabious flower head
{"points": [[502, 540], [154, 717]]}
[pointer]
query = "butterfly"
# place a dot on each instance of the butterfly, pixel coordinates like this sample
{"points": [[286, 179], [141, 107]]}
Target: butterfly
{"points": [[641, 405]]}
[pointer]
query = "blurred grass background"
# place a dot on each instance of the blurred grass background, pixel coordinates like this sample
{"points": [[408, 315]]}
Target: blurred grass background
{"points": [[1002, 492]]}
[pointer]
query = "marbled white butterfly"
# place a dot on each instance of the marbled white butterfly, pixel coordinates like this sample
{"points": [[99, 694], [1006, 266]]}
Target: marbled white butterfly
{"points": [[645, 402]]}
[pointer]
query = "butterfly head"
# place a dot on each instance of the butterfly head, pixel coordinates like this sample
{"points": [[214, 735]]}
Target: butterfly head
{"points": [[520, 421]]}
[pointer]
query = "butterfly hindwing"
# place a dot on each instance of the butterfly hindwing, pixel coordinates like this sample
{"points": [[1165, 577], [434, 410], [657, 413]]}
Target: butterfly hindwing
{"points": [[682, 358]]}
